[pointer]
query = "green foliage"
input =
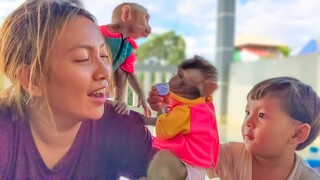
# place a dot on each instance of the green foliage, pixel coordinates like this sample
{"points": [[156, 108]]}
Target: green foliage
{"points": [[167, 47], [284, 50], [236, 56], [130, 97]]}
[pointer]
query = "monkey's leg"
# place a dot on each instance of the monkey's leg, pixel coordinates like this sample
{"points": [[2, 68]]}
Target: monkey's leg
{"points": [[121, 83], [166, 166]]}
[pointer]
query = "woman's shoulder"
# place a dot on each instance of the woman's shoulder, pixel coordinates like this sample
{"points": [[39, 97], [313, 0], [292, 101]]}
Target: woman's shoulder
{"points": [[6, 125], [7, 129], [133, 118], [112, 124]]}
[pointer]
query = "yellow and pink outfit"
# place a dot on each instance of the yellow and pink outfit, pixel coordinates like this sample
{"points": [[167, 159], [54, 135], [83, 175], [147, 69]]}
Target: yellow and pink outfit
{"points": [[190, 131]]}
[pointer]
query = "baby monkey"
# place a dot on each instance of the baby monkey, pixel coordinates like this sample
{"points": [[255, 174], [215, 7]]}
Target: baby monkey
{"points": [[130, 21], [186, 130]]}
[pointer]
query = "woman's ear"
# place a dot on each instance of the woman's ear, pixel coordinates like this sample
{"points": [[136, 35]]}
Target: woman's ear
{"points": [[23, 75], [125, 13], [207, 88], [301, 133]]}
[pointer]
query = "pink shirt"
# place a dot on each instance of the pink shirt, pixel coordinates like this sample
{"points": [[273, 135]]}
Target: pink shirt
{"points": [[189, 130]]}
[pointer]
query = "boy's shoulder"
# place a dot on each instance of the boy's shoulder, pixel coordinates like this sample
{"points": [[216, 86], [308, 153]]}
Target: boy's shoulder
{"points": [[302, 170], [233, 146]]}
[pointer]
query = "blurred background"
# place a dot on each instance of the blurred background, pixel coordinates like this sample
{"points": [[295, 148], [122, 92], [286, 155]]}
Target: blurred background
{"points": [[248, 40]]}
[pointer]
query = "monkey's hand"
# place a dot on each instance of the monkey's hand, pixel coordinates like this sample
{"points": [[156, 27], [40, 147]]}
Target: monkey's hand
{"points": [[158, 103], [143, 102], [120, 107]]}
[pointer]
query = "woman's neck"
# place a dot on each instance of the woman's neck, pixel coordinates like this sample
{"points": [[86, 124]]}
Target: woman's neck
{"points": [[53, 136]]}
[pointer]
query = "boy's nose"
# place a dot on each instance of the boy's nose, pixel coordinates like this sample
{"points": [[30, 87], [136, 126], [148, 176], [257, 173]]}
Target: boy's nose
{"points": [[249, 122]]}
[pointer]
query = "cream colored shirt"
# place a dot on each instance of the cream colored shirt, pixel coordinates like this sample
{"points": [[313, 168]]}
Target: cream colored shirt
{"points": [[235, 163]]}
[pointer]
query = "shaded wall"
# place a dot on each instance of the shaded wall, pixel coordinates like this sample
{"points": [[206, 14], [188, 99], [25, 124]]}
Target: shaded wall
{"points": [[243, 76]]}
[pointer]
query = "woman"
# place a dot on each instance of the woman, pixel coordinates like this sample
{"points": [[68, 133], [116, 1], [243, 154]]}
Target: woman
{"points": [[55, 122]]}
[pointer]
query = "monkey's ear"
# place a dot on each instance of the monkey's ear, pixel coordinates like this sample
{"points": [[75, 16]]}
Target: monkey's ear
{"points": [[125, 13], [23, 75], [207, 88]]}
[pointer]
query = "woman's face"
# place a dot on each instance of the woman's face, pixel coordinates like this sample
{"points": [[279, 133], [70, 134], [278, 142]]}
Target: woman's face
{"points": [[79, 71]]}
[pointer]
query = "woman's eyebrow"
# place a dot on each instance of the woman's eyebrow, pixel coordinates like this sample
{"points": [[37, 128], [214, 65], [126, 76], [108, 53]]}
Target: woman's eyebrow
{"points": [[102, 45], [85, 46]]}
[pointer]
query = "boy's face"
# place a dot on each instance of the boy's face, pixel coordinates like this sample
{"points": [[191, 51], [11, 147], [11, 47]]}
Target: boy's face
{"points": [[267, 128], [185, 83]]}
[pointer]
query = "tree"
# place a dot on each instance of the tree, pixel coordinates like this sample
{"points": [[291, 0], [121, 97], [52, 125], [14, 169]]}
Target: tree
{"points": [[166, 48], [285, 51]]}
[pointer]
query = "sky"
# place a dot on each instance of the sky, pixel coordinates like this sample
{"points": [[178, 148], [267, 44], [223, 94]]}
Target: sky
{"points": [[293, 22]]}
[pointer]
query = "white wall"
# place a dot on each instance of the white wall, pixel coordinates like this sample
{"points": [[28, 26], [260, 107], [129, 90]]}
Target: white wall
{"points": [[243, 76]]}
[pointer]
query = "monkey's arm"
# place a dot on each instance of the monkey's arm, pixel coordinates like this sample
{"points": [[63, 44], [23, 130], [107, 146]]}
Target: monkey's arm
{"points": [[177, 121]]}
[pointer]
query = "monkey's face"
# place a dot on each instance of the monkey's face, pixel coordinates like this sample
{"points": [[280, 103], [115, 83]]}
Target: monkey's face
{"points": [[186, 83], [139, 25]]}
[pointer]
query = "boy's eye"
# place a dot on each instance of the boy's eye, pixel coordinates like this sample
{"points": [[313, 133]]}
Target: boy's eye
{"points": [[247, 112], [261, 115]]}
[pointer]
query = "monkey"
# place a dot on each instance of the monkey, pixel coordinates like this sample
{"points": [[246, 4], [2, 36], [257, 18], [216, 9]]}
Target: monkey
{"points": [[187, 137], [77, 3], [130, 21]]}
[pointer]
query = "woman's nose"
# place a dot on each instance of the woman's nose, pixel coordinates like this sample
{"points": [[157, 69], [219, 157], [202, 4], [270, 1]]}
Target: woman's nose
{"points": [[102, 71]]}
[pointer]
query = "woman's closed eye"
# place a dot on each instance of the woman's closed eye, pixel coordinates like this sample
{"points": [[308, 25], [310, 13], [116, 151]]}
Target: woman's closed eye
{"points": [[105, 57], [81, 60]]}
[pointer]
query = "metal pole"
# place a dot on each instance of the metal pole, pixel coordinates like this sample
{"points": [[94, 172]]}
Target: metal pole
{"points": [[224, 52]]}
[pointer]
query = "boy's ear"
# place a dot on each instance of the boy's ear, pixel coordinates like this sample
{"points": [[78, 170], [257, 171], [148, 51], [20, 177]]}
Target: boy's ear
{"points": [[207, 88], [302, 133], [23, 75], [126, 13]]}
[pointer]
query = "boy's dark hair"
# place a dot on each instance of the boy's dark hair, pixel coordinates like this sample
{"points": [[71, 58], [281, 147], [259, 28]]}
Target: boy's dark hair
{"points": [[198, 62], [299, 100]]}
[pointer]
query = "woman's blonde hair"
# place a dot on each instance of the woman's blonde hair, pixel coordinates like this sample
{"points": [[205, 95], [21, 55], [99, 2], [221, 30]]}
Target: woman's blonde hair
{"points": [[26, 38]]}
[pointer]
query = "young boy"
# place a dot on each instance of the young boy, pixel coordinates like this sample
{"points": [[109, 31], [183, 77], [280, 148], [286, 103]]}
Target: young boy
{"points": [[188, 132], [282, 116], [130, 21]]}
